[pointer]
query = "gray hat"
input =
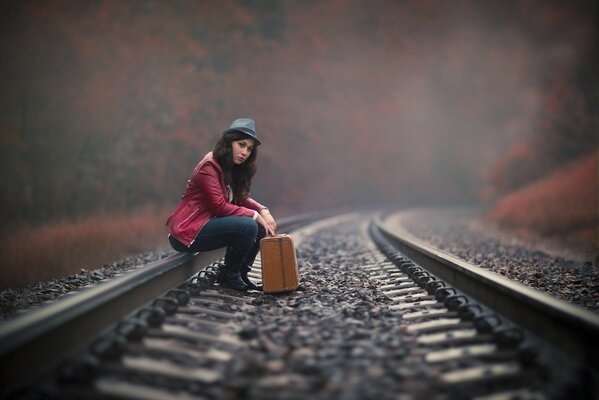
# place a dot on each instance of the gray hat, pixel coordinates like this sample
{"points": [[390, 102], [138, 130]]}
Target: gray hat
{"points": [[244, 125]]}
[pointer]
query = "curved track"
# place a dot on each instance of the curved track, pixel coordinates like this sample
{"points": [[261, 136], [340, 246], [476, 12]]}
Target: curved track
{"points": [[371, 308], [568, 326]]}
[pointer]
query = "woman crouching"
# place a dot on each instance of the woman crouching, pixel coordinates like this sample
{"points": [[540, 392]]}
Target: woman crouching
{"points": [[216, 209]]}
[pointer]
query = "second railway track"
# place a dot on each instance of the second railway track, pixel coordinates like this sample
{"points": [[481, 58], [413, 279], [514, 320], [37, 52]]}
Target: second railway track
{"points": [[368, 322]]}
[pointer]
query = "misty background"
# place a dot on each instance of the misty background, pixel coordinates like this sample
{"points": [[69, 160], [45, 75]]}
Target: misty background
{"points": [[107, 106]]}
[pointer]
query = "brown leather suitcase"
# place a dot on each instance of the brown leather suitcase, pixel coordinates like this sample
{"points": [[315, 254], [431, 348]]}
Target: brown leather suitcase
{"points": [[279, 264]]}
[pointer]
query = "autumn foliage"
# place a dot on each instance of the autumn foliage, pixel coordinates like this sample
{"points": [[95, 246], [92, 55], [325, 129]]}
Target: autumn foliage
{"points": [[564, 203], [106, 106], [32, 254]]}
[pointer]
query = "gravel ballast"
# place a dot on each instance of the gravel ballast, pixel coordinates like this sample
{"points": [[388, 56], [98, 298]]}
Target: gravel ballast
{"points": [[456, 231], [339, 336], [335, 333], [535, 263], [14, 300]]}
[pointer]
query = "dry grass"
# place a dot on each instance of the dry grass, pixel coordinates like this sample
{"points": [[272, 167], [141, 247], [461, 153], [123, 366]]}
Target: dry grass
{"points": [[29, 255], [563, 204]]}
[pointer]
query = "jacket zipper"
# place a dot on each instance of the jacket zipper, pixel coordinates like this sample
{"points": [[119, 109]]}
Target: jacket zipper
{"points": [[187, 219]]}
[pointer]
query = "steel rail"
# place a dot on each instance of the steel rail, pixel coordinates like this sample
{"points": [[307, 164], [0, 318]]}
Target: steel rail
{"points": [[30, 342], [567, 326]]}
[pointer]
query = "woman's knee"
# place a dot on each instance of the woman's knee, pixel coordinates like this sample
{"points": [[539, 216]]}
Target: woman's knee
{"points": [[250, 226], [246, 233]]}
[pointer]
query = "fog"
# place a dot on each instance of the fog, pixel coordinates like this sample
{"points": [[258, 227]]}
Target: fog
{"points": [[107, 106]]}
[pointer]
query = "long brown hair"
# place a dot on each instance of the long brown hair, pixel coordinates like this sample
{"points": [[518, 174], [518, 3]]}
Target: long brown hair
{"points": [[238, 176]]}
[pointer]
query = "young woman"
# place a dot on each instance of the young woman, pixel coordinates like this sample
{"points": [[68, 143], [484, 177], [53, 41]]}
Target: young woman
{"points": [[216, 209]]}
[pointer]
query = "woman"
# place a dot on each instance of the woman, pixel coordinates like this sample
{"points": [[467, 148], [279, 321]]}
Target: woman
{"points": [[216, 210]]}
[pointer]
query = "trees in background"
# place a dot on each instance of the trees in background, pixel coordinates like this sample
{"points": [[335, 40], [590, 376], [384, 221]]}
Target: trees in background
{"points": [[106, 107]]}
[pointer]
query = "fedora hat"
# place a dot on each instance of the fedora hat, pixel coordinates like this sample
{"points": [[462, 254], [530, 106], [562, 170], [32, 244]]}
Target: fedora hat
{"points": [[246, 126]]}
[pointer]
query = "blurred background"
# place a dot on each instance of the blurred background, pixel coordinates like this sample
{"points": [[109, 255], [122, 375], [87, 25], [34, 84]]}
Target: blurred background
{"points": [[107, 106]]}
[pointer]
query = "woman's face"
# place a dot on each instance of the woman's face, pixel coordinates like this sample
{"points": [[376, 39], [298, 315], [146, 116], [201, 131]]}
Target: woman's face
{"points": [[241, 150]]}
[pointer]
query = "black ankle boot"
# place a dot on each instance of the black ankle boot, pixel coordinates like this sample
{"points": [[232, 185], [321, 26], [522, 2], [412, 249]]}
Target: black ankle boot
{"points": [[244, 277], [231, 280], [229, 273]]}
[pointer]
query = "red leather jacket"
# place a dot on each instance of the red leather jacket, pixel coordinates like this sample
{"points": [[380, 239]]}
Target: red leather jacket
{"points": [[206, 197]]}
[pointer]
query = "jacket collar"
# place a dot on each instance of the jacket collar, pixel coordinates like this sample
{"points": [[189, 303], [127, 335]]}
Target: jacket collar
{"points": [[209, 159]]}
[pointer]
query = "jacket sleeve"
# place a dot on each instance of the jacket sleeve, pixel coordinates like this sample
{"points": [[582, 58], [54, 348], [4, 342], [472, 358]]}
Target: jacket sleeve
{"points": [[252, 204], [215, 200]]}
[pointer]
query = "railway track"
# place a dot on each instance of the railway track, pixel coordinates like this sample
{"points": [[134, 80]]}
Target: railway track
{"points": [[35, 341], [370, 320]]}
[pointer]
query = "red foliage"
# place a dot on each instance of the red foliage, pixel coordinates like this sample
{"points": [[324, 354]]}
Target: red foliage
{"points": [[564, 130], [518, 157], [566, 202], [108, 105], [29, 255]]}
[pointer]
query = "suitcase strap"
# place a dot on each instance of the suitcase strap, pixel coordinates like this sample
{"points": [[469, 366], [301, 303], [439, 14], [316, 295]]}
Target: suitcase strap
{"points": [[282, 263]]}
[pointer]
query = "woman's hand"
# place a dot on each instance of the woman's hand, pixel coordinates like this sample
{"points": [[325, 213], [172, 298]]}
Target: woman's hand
{"points": [[267, 221]]}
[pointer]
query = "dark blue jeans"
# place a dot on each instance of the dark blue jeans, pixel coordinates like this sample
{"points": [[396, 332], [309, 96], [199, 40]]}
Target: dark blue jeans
{"points": [[243, 234]]}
